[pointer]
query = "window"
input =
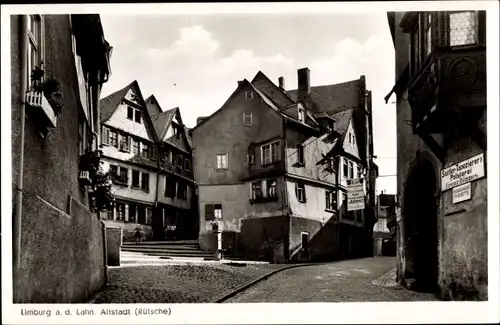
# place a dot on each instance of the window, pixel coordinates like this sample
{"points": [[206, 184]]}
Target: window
{"points": [[35, 43], [250, 159], [132, 208], [463, 28], [305, 240], [145, 150], [360, 171], [123, 175], [270, 153], [257, 190], [222, 161], [271, 188], [247, 119], [145, 182], [300, 192], [135, 146], [248, 94], [141, 214], [149, 216], [105, 135], [218, 211], [81, 135], [213, 211], [120, 211], [350, 138], [331, 200], [135, 178], [301, 115], [182, 190], [130, 113], [113, 171], [187, 164], [428, 34], [180, 161], [170, 186], [124, 144], [113, 139], [345, 169], [300, 154], [138, 116], [351, 170]]}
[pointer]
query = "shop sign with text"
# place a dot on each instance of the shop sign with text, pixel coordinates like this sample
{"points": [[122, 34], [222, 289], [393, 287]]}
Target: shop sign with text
{"points": [[463, 172]]}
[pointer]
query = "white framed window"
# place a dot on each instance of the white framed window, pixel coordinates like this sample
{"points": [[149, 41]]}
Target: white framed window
{"points": [[301, 115], [145, 150], [257, 192], [247, 119], [36, 43], [270, 153], [345, 170], [136, 146], [124, 143], [463, 28], [351, 170], [222, 161], [250, 159], [300, 154], [134, 114], [331, 199], [113, 139], [248, 94], [264, 189], [300, 192], [130, 113], [271, 188]]}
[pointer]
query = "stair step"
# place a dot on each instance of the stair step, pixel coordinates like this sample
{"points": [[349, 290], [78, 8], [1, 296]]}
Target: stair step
{"points": [[172, 255], [153, 243], [183, 247]]}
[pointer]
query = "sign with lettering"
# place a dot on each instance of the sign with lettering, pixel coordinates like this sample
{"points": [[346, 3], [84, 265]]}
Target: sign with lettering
{"points": [[355, 194], [462, 193], [463, 172]]}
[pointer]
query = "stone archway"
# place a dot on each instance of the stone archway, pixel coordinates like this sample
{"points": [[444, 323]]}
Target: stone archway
{"points": [[421, 227]]}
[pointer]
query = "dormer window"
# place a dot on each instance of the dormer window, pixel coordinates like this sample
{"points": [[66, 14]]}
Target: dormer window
{"points": [[301, 115], [248, 94]]}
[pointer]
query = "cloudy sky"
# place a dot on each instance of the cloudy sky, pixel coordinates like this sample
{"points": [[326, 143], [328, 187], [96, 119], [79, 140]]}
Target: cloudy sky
{"points": [[194, 62]]}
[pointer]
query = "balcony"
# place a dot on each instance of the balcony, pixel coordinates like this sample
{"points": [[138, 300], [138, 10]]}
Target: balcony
{"points": [[175, 169], [450, 82], [41, 111]]}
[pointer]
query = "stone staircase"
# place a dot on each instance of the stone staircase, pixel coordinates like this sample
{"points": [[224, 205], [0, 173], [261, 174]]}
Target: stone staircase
{"points": [[154, 251]]}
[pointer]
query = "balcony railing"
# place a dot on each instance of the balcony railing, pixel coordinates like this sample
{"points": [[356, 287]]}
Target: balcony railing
{"points": [[42, 110], [449, 79]]}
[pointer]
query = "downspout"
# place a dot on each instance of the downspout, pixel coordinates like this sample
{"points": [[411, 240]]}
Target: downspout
{"points": [[20, 175], [285, 194], [337, 167]]}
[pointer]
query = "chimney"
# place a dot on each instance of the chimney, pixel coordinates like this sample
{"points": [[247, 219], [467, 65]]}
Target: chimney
{"points": [[304, 87], [281, 82], [200, 119]]}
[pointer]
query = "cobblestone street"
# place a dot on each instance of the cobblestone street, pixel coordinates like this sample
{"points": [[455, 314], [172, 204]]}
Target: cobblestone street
{"points": [[361, 280], [192, 283]]}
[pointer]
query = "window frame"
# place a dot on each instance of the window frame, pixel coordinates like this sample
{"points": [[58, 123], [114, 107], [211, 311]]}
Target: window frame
{"points": [[226, 160], [274, 156], [300, 154], [124, 142], [138, 174], [247, 116], [248, 95], [300, 187], [476, 28], [130, 113], [170, 187], [301, 115], [138, 113], [113, 138], [257, 193], [145, 182], [345, 168], [331, 200], [35, 42], [269, 187], [351, 170]]}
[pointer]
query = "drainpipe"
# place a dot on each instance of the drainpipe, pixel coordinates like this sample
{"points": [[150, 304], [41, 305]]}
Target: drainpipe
{"points": [[285, 198], [20, 175], [337, 167]]}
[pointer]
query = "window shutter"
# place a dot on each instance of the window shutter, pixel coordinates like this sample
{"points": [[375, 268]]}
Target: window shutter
{"points": [[481, 25], [105, 135], [443, 28], [209, 212]]}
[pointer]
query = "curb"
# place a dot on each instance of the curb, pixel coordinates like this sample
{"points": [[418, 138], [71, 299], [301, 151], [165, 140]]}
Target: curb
{"points": [[231, 293]]}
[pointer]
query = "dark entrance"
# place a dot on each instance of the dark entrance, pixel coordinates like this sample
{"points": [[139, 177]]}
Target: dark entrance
{"points": [[420, 228]]}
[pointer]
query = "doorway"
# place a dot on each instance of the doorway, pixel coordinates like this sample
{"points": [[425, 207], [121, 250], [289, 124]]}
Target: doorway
{"points": [[420, 228]]}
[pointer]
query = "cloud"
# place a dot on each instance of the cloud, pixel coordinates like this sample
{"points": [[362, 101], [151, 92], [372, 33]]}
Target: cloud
{"points": [[191, 72]]}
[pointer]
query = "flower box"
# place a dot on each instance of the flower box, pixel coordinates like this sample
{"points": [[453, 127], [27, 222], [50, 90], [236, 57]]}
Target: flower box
{"points": [[84, 178], [41, 109]]}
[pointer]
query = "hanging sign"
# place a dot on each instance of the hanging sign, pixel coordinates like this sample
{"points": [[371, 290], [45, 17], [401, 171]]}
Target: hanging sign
{"points": [[463, 172], [355, 194]]}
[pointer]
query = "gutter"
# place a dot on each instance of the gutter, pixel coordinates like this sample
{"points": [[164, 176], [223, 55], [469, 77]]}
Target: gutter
{"points": [[19, 183]]}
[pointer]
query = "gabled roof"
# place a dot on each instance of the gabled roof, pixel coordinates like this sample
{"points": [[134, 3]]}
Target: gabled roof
{"points": [[153, 109], [272, 90], [161, 122], [109, 104], [333, 98]]}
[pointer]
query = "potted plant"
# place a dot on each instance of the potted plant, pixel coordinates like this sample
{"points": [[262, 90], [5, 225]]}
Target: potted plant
{"points": [[49, 87]]}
